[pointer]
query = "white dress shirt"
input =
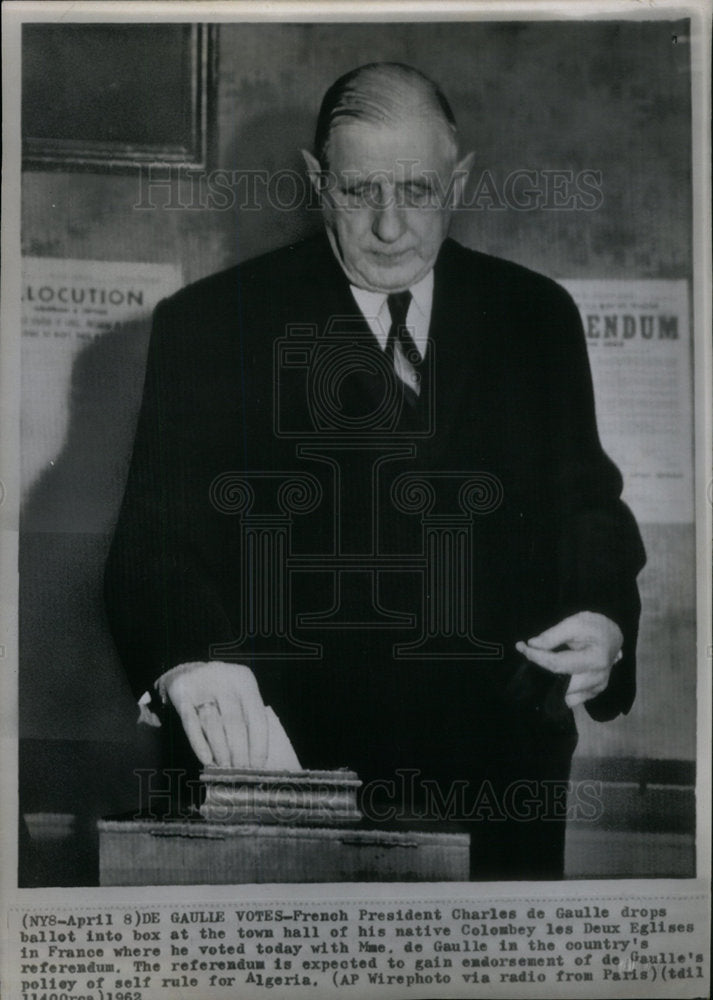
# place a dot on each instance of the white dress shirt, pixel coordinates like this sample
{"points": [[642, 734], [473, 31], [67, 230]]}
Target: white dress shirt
{"points": [[375, 310]]}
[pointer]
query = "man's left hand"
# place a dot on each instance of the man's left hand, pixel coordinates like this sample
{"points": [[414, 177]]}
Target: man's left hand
{"points": [[585, 645]]}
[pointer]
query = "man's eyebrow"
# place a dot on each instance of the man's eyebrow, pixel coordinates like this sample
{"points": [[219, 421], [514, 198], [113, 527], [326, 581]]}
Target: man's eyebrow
{"points": [[425, 183], [355, 183]]}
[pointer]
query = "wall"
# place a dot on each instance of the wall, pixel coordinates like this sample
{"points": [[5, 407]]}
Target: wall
{"points": [[610, 97]]}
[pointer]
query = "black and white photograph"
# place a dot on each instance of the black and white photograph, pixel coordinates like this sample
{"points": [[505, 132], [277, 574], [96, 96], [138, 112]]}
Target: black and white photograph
{"points": [[356, 500]]}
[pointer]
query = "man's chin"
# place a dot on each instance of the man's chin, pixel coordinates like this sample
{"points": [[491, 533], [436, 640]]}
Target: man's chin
{"points": [[386, 276]]}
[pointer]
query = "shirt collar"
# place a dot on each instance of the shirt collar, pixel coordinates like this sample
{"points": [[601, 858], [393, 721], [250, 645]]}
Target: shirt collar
{"points": [[371, 303]]}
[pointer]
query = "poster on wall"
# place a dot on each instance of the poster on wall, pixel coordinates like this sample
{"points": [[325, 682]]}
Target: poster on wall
{"points": [[317, 519], [68, 305], [639, 343]]}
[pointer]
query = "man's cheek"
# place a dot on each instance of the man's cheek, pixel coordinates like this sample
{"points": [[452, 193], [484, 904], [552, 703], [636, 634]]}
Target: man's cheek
{"points": [[353, 229]]}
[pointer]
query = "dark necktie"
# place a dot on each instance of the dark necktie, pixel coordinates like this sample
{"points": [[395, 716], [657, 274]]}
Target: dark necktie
{"points": [[398, 304]]}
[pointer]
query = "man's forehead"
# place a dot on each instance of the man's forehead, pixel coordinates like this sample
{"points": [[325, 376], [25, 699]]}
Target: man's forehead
{"points": [[405, 148]]}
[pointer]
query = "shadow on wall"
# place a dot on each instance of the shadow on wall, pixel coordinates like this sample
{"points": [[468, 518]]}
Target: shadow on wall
{"points": [[79, 744], [81, 491], [72, 686]]}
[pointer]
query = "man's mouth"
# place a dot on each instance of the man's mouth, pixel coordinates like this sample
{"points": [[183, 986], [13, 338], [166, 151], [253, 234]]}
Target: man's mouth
{"points": [[391, 257]]}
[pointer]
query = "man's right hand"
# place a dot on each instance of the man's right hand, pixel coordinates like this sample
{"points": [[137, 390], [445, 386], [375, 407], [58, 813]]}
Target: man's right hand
{"points": [[222, 712]]}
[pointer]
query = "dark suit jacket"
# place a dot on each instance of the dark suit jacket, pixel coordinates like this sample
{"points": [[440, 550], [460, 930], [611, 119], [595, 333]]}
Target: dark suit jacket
{"points": [[509, 392]]}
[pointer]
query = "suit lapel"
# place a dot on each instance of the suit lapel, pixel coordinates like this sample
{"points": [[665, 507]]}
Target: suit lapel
{"points": [[362, 373], [455, 335]]}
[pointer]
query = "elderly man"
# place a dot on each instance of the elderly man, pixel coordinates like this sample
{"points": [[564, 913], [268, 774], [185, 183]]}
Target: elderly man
{"points": [[367, 490]]}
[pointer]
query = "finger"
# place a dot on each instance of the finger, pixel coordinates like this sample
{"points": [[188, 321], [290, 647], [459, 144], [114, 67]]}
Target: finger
{"points": [[583, 696], [559, 635], [255, 723], [569, 661], [573, 698], [211, 722], [576, 699], [281, 754], [254, 715], [587, 680], [193, 730], [235, 730]]}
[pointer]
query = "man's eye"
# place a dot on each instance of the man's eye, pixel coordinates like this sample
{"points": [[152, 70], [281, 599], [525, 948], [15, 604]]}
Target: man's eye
{"points": [[357, 192], [416, 194]]}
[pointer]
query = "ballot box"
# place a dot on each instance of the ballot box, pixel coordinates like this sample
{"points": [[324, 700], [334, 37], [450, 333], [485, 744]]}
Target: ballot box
{"points": [[139, 852], [268, 826]]}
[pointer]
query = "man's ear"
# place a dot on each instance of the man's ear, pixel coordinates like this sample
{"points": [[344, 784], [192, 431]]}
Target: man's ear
{"points": [[314, 170], [461, 172]]}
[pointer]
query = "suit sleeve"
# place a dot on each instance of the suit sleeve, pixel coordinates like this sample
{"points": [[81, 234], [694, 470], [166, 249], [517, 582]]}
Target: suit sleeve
{"points": [[598, 546], [163, 605]]}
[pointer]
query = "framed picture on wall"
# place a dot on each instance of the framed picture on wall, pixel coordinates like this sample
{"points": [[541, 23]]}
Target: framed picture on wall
{"points": [[116, 96]]}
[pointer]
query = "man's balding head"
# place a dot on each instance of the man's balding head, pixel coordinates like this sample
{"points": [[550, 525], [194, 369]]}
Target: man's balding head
{"points": [[383, 94]]}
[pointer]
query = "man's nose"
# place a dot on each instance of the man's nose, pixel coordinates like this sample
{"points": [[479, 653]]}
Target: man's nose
{"points": [[387, 222]]}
